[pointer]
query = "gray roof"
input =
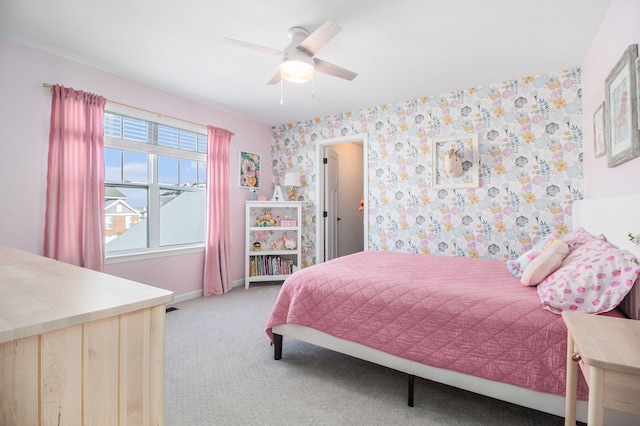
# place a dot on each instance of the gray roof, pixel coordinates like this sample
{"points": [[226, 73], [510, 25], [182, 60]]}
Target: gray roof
{"points": [[111, 193]]}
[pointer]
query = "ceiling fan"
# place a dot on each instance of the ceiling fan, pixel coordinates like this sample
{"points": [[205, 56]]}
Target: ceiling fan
{"points": [[298, 61]]}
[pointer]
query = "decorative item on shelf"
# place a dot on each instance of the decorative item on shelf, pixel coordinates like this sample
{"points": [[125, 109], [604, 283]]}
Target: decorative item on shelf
{"points": [[292, 180], [257, 246], [289, 243], [254, 195], [277, 245], [288, 222], [277, 194], [265, 219]]}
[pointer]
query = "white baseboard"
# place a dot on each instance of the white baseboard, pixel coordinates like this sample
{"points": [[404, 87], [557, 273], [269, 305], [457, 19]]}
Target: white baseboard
{"points": [[198, 293], [186, 296]]}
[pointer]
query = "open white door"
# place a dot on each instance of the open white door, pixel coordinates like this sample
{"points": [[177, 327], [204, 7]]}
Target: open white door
{"points": [[328, 244], [331, 203]]}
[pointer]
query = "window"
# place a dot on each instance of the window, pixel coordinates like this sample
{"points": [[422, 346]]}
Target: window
{"points": [[155, 179]]}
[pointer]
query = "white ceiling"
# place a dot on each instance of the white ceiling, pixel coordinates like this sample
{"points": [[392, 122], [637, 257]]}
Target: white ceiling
{"points": [[401, 49]]}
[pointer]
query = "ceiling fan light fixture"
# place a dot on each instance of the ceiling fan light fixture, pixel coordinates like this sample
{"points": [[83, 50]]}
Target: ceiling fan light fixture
{"points": [[298, 70]]}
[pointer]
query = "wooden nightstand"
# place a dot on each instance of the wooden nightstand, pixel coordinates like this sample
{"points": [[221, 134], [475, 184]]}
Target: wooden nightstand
{"points": [[608, 351]]}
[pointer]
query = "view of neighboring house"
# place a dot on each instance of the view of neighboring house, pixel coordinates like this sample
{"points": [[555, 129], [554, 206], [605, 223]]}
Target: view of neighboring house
{"points": [[119, 216], [181, 220]]}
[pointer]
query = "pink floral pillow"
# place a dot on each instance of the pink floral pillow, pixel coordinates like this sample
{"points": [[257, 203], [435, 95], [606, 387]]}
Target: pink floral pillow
{"points": [[593, 278]]}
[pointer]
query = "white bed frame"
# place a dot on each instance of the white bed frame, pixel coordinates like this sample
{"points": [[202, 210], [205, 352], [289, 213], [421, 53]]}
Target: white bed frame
{"points": [[612, 216]]}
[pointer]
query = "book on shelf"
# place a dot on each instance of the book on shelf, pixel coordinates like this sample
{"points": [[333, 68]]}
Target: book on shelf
{"points": [[270, 265]]}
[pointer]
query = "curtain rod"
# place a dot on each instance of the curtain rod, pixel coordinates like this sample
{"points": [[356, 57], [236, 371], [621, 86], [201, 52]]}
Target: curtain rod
{"points": [[49, 86]]}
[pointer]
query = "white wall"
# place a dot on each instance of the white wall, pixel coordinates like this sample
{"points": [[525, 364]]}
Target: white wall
{"points": [[25, 108], [620, 28]]}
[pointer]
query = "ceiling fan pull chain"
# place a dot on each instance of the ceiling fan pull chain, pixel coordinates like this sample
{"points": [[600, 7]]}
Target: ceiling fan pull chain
{"points": [[313, 86], [281, 99]]}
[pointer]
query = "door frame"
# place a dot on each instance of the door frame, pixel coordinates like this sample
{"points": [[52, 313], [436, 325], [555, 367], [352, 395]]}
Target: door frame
{"points": [[364, 138], [330, 223]]}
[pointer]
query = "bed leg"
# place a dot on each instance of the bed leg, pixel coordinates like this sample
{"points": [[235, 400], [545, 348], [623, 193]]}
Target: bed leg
{"points": [[411, 383], [277, 346]]}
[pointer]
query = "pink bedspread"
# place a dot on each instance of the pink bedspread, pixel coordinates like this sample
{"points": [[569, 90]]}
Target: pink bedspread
{"points": [[467, 315]]}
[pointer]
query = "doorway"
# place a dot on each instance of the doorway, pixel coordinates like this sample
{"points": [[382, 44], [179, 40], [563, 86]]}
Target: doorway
{"points": [[341, 227]]}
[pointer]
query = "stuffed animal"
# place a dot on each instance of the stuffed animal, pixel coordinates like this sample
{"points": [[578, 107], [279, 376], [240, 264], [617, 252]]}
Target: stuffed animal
{"points": [[452, 163]]}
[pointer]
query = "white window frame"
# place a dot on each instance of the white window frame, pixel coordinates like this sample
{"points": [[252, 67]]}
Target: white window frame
{"points": [[154, 249]]}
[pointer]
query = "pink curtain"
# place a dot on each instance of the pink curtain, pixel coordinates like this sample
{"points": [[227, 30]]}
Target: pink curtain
{"points": [[217, 258], [74, 217]]}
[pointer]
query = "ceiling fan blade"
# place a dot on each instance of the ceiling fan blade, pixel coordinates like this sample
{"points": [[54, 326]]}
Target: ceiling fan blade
{"points": [[252, 46], [334, 70], [317, 39], [275, 79]]}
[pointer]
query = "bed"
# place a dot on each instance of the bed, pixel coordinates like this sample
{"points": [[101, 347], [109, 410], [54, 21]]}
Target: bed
{"points": [[412, 313]]}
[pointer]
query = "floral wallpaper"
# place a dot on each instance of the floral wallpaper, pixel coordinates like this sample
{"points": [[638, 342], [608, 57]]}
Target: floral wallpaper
{"points": [[529, 134]]}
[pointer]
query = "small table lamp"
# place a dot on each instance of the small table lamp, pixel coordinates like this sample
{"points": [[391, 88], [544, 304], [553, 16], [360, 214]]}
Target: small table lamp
{"points": [[292, 180]]}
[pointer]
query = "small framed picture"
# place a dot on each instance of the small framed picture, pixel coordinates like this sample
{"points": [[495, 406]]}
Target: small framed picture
{"points": [[455, 162], [638, 89], [598, 132], [249, 170], [621, 110]]}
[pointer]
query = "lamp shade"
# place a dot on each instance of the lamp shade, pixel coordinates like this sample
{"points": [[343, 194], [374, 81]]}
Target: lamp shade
{"points": [[296, 68], [292, 179]]}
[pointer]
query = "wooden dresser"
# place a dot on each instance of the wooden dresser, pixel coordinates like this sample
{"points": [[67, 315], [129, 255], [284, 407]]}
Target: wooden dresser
{"points": [[78, 347], [608, 352]]}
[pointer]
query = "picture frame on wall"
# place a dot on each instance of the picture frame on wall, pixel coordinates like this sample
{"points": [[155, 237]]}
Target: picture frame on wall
{"points": [[455, 162], [638, 89], [621, 110], [598, 132], [249, 166]]}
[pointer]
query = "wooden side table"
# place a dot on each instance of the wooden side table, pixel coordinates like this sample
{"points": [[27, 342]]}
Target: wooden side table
{"points": [[608, 351]]}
